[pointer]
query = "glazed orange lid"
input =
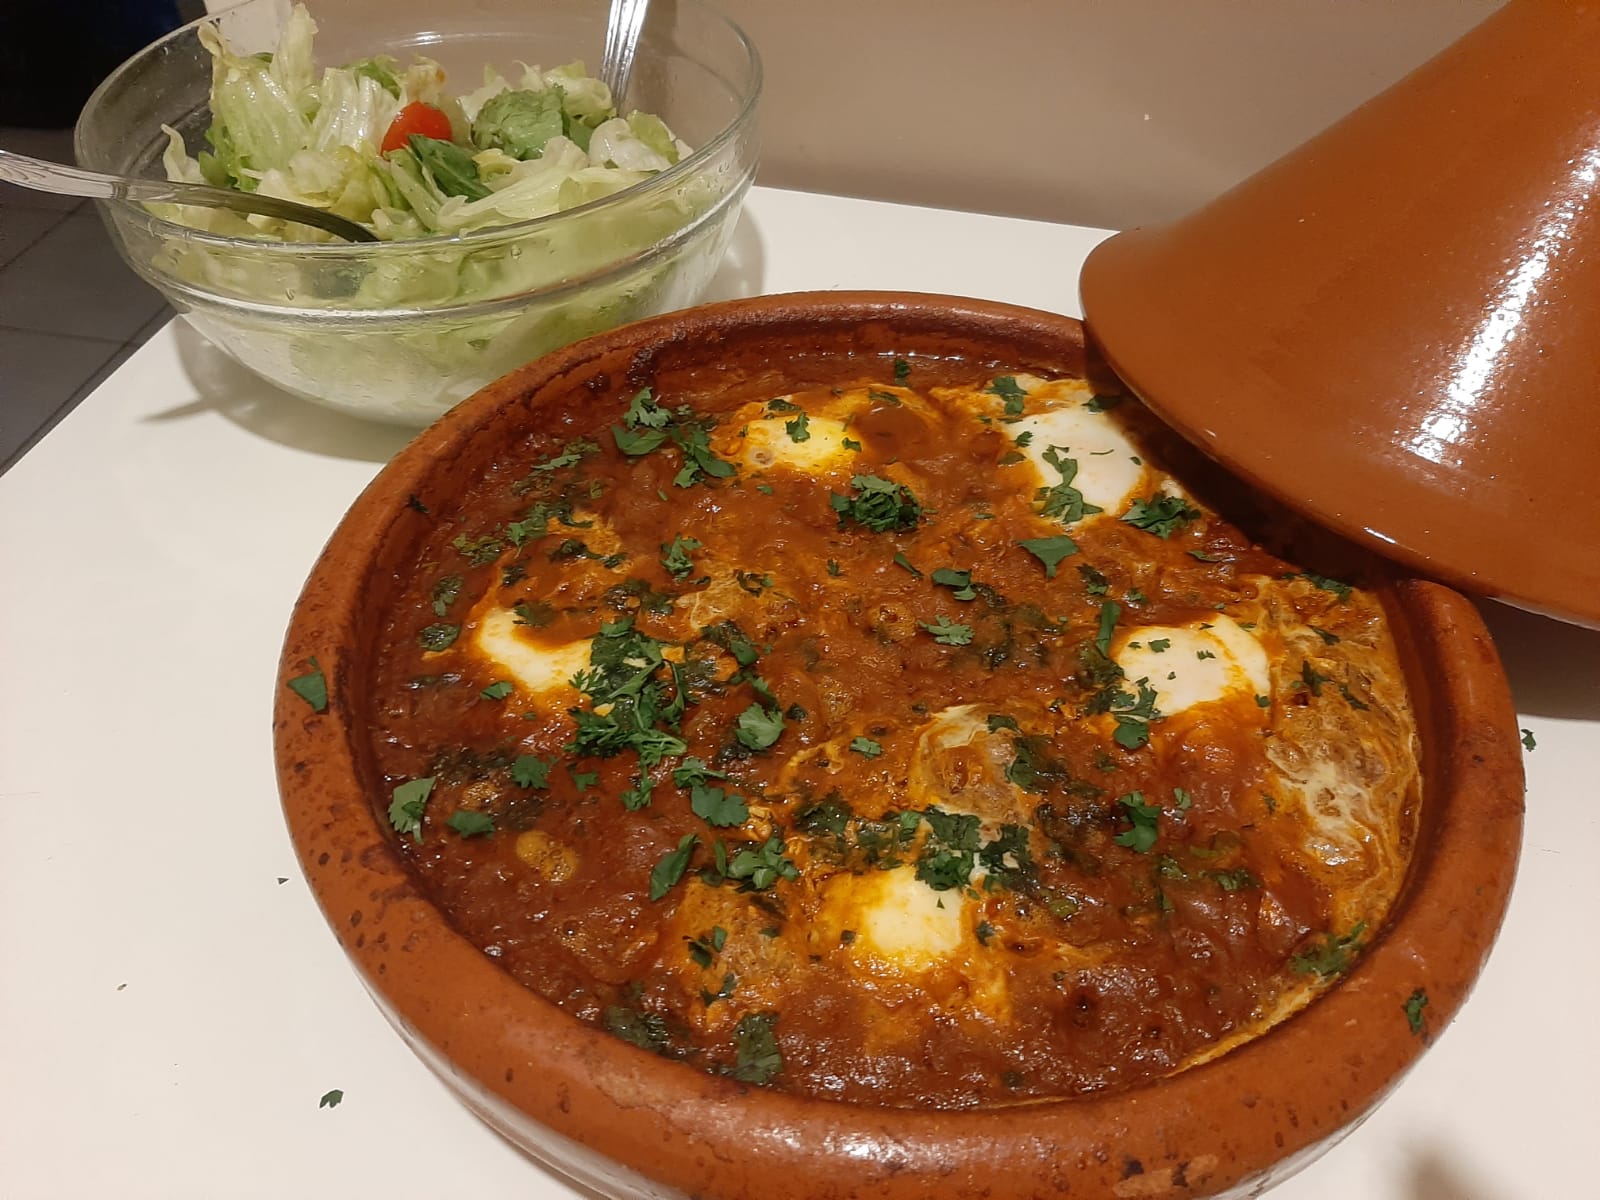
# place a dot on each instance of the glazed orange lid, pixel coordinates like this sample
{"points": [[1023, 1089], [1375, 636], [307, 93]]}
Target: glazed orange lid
{"points": [[1396, 327]]}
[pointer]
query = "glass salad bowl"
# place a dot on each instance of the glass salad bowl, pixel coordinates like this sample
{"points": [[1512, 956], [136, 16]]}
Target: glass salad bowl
{"points": [[401, 330]]}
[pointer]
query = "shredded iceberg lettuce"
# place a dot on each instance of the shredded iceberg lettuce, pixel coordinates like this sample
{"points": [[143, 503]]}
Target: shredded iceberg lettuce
{"points": [[552, 141]]}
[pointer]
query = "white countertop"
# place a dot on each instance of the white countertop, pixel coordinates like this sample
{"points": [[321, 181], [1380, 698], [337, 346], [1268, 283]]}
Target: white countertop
{"points": [[172, 1006]]}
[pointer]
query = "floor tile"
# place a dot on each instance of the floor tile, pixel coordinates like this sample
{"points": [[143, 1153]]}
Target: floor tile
{"points": [[21, 227], [72, 281], [54, 144], [40, 373]]}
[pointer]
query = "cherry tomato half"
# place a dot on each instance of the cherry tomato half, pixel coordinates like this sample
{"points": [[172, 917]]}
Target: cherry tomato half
{"points": [[419, 118]]}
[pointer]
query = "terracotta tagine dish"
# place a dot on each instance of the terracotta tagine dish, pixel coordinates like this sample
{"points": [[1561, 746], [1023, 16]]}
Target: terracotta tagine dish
{"points": [[403, 839], [1392, 328]]}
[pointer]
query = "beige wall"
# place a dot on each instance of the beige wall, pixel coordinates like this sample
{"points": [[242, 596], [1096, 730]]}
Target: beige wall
{"points": [[1099, 112]]}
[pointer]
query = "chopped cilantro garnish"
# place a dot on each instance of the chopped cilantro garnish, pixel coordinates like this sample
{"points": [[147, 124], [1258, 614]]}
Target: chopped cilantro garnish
{"points": [[1202, 556], [1330, 639], [438, 636], [960, 582], [1528, 742], [1337, 587], [666, 873], [717, 807], [850, 444], [878, 505], [757, 1057], [445, 592], [1094, 582], [478, 551], [646, 1030], [498, 690], [946, 633], [799, 429], [901, 561], [407, 803], [1063, 501], [1012, 393], [781, 404], [530, 771], [675, 556], [1182, 799], [470, 823], [866, 746], [902, 370], [535, 613], [883, 397], [691, 437], [1050, 551], [1313, 679], [999, 721], [1110, 610], [1161, 515], [1160, 645], [637, 442], [1413, 1006], [1235, 880], [1330, 956], [1353, 700], [1145, 818], [312, 687], [1098, 403], [759, 867], [758, 727], [833, 566]]}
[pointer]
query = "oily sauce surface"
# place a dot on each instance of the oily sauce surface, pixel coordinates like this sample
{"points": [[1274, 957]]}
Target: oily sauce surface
{"points": [[915, 745]]}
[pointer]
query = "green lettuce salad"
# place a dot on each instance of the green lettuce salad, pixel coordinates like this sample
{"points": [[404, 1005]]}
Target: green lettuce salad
{"points": [[386, 145]]}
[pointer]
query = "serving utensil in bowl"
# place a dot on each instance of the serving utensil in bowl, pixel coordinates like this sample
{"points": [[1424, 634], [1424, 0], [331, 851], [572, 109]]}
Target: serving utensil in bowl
{"points": [[624, 24], [39, 175]]}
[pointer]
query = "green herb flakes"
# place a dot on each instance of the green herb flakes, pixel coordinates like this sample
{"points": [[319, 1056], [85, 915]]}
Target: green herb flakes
{"points": [[1161, 515], [1145, 818], [757, 1057], [799, 429], [1050, 551], [758, 727], [666, 873], [470, 823], [312, 687], [1010, 392], [946, 633], [1413, 1006], [866, 747], [331, 1099], [530, 771], [438, 636], [498, 690], [960, 582], [407, 803], [878, 505]]}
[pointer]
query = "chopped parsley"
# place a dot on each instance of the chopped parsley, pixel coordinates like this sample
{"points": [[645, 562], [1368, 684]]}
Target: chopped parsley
{"points": [[904, 563], [530, 771], [1145, 827], [960, 582], [407, 803], [758, 727], [757, 1057], [498, 690], [1337, 587], [946, 633], [1063, 501], [312, 687], [666, 873], [799, 429], [1413, 1006], [470, 823], [878, 505], [717, 807], [533, 613], [675, 556], [478, 551], [1009, 391], [1050, 551], [866, 747], [1331, 956], [438, 636], [1161, 515], [759, 867], [445, 592], [691, 437]]}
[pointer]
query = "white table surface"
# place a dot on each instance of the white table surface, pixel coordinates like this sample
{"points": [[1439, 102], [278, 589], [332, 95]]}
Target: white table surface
{"points": [[172, 1006]]}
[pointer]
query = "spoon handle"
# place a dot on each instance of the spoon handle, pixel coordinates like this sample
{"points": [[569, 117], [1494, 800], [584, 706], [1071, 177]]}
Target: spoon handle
{"points": [[42, 176], [624, 23]]}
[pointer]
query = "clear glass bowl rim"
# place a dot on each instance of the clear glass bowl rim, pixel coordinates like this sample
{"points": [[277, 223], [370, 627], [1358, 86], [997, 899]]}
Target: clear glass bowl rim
{"points": [[478, 238]]}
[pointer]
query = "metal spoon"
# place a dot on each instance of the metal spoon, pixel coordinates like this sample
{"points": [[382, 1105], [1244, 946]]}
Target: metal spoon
{"points": [[624, 23], [63, 180]]}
